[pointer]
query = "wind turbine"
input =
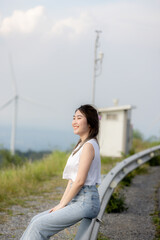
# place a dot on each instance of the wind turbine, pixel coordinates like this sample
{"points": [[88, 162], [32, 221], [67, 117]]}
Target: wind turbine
{"points": [[13, 100], [15, 107]]}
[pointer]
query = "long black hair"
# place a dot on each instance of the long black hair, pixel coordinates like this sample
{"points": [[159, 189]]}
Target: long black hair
{"points": [[91, 115]]}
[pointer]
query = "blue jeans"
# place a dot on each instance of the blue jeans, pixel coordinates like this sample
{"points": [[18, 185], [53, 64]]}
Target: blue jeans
{"points": [[44, 225]]}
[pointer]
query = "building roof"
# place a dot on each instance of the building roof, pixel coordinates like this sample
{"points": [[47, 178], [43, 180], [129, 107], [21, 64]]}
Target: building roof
{"points": [[116, 108]]}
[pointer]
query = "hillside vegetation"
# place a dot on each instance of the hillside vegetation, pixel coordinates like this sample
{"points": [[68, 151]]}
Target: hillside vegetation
{"points": [[20, 177], [30, 178]]}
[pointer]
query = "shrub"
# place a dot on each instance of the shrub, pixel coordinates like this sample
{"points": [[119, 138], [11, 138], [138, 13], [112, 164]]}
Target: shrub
{"points": [[154, 161], [7, 159], [128, 179], [116, 203]]}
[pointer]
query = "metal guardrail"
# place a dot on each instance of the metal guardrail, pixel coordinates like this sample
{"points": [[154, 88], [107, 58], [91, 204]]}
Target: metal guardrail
{"points": [[88, 229]]}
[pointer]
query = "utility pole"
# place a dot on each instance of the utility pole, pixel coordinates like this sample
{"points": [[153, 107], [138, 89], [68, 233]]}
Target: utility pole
{"points": [[97, 64]]}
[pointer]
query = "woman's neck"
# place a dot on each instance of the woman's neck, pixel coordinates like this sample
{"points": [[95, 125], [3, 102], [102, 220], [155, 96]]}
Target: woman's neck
{"points": [[84, 138]]}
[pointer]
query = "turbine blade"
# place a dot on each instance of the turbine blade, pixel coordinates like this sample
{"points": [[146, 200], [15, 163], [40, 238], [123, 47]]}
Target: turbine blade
{"points": [[7, 103], [35, 103]]}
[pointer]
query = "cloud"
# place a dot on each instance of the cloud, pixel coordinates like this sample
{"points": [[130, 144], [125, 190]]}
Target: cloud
{"points": [[72, 26], [22, 21], [122, 22]]}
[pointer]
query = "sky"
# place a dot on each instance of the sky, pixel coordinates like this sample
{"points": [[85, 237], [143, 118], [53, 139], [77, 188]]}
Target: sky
{"points": [[48, 48]]}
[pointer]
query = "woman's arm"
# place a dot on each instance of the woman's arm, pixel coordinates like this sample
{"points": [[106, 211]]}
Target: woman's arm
{"points": [[68, 187], [66, 190], [86, 159]]}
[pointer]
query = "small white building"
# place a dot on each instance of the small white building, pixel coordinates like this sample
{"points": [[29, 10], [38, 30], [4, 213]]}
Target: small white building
{"points": [[115, 134]]}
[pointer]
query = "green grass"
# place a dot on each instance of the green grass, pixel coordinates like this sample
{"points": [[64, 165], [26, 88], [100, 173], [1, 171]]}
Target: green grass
{"points": [[102, 237], [17, 182], [108, 163], [138, 145], [156, 214], [31, 178]]}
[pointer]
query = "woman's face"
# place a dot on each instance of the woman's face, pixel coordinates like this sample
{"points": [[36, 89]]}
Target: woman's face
{"points": [[80, 125]]}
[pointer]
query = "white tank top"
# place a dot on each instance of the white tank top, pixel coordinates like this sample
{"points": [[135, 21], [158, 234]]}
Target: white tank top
{"points": [[94, 173]]}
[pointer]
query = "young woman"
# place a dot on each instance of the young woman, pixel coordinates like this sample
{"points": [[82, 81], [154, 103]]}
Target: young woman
{"points": [[80, 199]]}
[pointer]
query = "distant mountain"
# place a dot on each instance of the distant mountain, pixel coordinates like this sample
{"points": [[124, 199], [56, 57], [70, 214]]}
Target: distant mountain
{"points": [[38, 139]]}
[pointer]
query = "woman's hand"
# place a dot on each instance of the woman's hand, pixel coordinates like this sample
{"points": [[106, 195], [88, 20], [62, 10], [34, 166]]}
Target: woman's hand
{"points": [[57, 207]]}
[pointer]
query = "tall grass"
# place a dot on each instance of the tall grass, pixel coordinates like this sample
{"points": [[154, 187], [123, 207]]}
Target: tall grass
{"points": [[29, 178], [139, 145], [108, 163], [39, 176]]}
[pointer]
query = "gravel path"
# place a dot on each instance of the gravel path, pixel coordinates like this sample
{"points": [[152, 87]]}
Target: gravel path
{"points": [[16, 223], [134, 224]]}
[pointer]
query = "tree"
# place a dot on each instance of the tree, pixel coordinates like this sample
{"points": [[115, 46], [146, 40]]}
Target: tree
{"points": [[137, 134]]}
